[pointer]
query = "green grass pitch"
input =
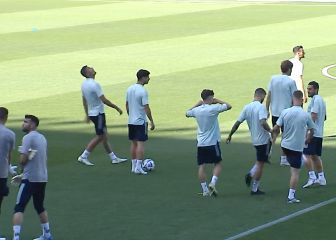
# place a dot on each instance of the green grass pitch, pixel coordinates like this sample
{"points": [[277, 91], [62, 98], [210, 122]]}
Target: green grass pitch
{"points": [[231, 47]]}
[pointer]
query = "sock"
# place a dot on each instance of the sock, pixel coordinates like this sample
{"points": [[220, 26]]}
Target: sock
{"points": [[253, 170], [85, 154], [46, 229], [312, 175], [283, 158], [214, 180], [291, 194], [321, 175], [255, 185], [133, 164], [16, 230], [138, 164], [204, 187], [112, 155]]}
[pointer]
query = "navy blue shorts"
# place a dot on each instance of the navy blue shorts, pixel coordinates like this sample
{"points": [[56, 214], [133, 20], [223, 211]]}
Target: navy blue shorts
{"points": [[138, 132], [99, 123], [209, 154], [274, 120], [314, 147], [263, 152], [293, 157], [26, 191], [4, 190]]}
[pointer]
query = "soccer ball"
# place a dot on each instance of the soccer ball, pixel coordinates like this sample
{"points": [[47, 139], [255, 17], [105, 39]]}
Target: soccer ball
{"points": [[148, 165]]}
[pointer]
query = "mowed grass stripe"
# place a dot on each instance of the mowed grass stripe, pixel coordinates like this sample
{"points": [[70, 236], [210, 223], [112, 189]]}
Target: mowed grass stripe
{"points": [[109, 34], [74, 16], [58, 73]]}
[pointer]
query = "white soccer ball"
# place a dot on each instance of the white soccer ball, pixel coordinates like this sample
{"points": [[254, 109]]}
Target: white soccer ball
{"points": [[148, 165]]}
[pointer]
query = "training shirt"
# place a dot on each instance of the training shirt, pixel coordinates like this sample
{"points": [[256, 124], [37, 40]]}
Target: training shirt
{"points": [[7, 144], [137, 98], [36, 169], [208, 132], [92, 91], [318, 106], [281, 88], [295, 121], [297, 72], [253, 113]]}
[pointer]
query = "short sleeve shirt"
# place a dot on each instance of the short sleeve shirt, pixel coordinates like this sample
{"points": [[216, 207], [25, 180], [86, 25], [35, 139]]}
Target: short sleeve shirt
{"points": [[253, 113], [137, 98], [7, 144], [92, 91], [318, 106], [208, 132], [297, 72]]}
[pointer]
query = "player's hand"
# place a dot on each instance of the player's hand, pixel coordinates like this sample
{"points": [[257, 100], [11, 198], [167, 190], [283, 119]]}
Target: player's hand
{"points": [[307, 141], [86, 119], [268, 115], [12, 170], [152, 126], [228, 140], [305, 99], [119, 111], [16, 180]]}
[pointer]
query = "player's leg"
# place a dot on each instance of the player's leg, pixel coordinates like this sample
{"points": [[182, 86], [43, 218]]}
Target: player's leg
{"points": [[139, 135], [4, 190], [133, 148], [295, 160], [308, 159], [283, 159], [215, 156], [108, 149], [256, 179], [317, 162], [202, 179], [139, 152]]}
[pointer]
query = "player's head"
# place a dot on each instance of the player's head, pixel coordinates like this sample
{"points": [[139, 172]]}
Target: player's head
{"points": [[143, 76], [299, 51], [30, 123], [207, 95], [313, 88], [88, 72], [297, 98], [286, 67], [259, 94], [3, 114]]}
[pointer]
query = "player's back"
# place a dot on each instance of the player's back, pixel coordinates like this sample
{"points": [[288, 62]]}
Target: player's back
{"points": [[136, 98], [92, 91], [7, 141]]}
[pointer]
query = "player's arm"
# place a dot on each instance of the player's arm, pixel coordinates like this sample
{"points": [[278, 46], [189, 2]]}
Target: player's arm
{"points": [[314, 116], [305, 99], [23, 159], [85, 109], [268, 103], [215, 101], [265, 125], [309, 135], [127, 109], [110, 104], [233, 130], [149, 115], [199, 103], [275, 132]]}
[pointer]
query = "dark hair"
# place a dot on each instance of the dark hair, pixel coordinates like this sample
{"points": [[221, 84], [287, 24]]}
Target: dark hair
{"points": [[3, 113], [286, 65], [33, 118], [207, 93], [142, 73], [314, 84], [260, 91], [83, 71], [298, 94], [297, 48]]}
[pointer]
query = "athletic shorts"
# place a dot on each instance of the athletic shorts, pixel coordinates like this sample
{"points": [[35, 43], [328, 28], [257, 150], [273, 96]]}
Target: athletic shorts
{"points": [[26, 191], [274, 120], [99, 123], [209, 154], [293, 157], [138, 132], [4, 190], [314, 147], [263, 152]]}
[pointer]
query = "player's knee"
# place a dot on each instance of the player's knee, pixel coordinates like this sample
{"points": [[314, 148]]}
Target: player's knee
{"points": [[19, 208], [39, 208]]}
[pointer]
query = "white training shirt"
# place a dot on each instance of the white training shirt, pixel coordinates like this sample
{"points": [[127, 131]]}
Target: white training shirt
{"points": [[7, 144], [318, 106], [253, 113], [297, 72], [208, 132], [137, 98], [295, 121], [281, 88], [92, 91]]}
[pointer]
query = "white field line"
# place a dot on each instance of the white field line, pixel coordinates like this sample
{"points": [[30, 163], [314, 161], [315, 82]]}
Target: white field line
{"points": [[325, 71], [283, 219]]}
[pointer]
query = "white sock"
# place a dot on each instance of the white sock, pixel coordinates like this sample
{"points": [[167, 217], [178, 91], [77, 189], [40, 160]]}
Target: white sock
{"points": [[112, 155], [214, 180], [312, 175], [204, 187], [134, 161], [138, 164], [321, 175], [46, 229], [253, 170], [291, 194], [16, 230], [255, 185], [283, 158], [85, 154]]}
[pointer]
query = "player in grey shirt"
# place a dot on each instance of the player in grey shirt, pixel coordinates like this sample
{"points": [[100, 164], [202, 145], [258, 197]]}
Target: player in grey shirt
{"points": [[279, 96], [295, 135], [33, 158], [255, 115], [313, 151]]}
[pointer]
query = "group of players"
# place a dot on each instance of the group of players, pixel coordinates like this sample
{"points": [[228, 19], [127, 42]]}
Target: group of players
{"points": [[302, 132]]}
